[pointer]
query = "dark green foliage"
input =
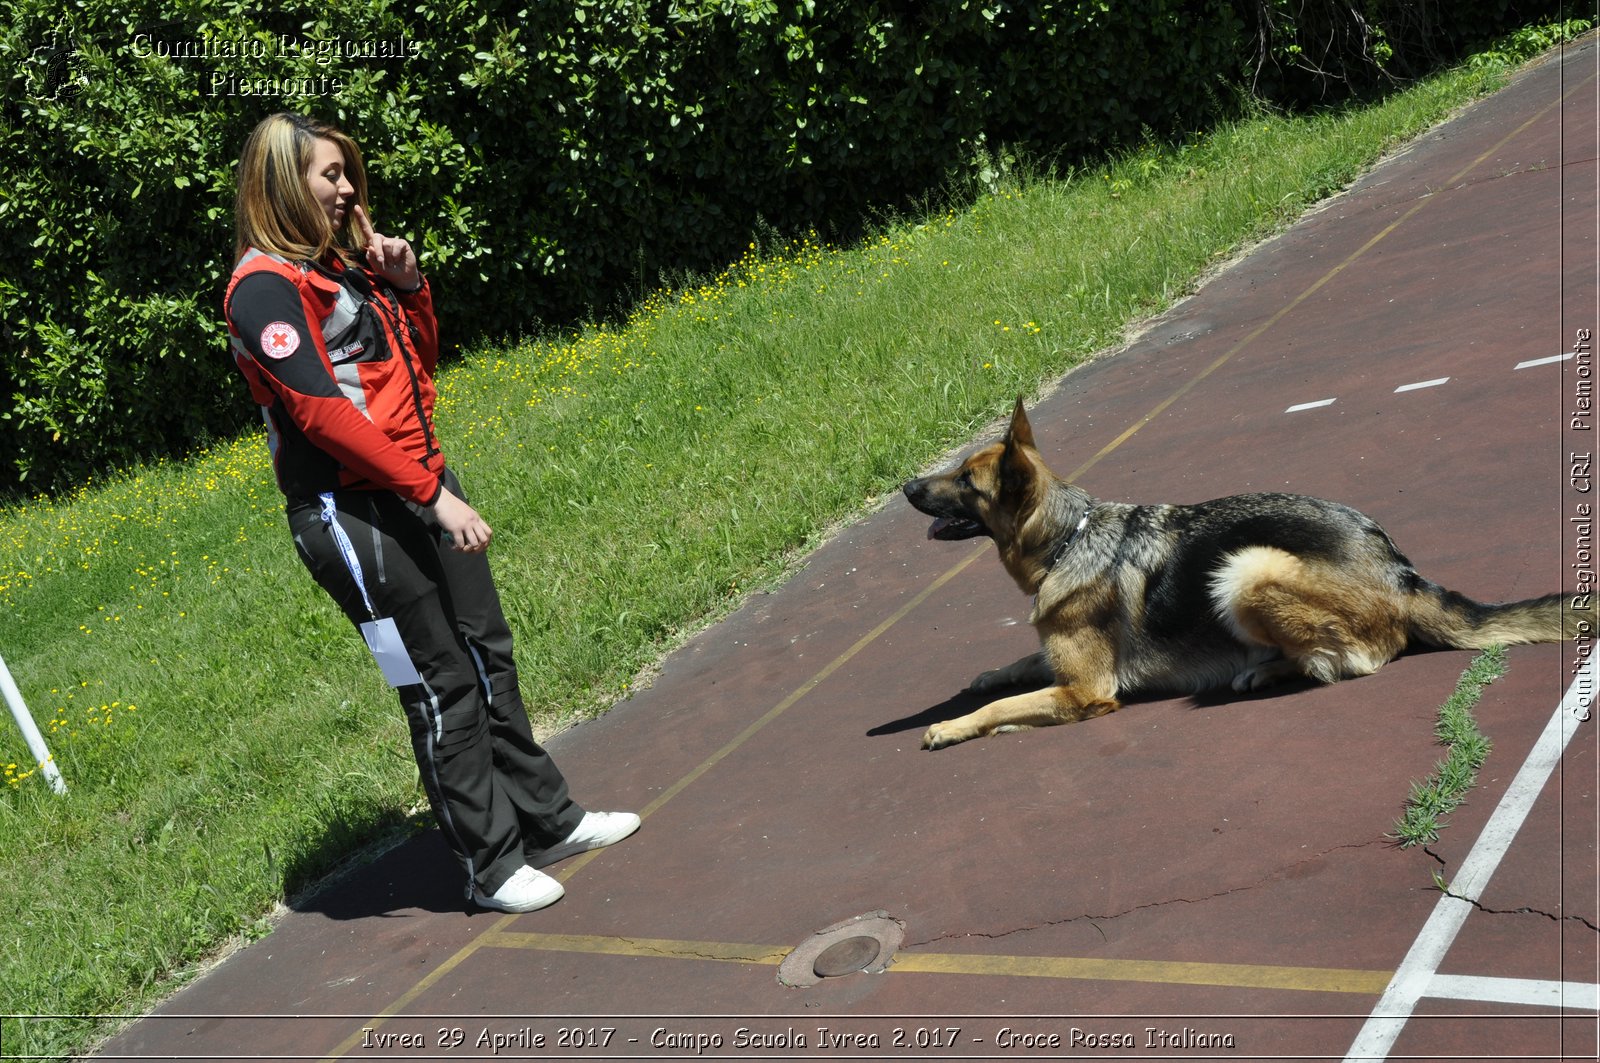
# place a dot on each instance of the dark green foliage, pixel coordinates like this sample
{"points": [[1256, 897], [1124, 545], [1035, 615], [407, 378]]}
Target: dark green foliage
{"points": [[1323, 51], [551, 159]]}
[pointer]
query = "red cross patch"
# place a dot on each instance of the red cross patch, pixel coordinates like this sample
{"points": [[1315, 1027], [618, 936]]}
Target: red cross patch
{"points": [[279, 340]]}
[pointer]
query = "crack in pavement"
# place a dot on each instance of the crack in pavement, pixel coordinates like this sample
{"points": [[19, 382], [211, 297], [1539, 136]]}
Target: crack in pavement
{"points": [[1486, 910], [1527, 910], [1095, 920]]}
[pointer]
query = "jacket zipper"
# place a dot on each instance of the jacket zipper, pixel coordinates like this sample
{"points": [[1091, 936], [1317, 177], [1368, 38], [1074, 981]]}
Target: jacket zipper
{"points": [[389, 323]]}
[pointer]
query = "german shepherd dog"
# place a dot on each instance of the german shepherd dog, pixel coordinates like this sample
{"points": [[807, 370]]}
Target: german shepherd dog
{"points": [[1247, 590]]}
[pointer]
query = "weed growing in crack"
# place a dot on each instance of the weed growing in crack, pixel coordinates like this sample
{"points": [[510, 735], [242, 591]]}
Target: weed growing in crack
{"points": [[1444, 791]]}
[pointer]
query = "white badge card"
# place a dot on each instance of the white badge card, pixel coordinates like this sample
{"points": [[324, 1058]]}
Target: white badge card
{"points": [[383, 639]]}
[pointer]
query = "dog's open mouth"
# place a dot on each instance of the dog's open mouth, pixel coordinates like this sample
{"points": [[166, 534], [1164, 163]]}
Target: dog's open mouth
{"points": [[952, 528]]}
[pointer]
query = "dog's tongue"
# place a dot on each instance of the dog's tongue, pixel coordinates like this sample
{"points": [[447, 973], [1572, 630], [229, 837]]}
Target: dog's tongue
{"points": [[939, 525]]}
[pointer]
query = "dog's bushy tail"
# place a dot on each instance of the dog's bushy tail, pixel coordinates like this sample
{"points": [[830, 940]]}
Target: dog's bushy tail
{"points": [[1446, 619]]}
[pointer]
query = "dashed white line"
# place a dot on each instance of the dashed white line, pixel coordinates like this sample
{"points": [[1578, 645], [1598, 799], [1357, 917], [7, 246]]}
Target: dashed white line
{"points": [[1418, 972], [1531, 362], [1422, 384], [1436, 382]]}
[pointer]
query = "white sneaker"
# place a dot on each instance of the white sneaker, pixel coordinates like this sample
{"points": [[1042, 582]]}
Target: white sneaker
{"points": [[595, 831], [526, 890]]}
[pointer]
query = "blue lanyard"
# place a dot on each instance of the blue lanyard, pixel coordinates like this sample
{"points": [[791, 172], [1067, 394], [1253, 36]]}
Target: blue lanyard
{"points": [[330, 517]]}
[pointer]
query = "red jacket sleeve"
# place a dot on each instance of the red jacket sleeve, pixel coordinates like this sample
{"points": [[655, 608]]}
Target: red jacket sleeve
{"points": [[271, 320], [419, 310]]}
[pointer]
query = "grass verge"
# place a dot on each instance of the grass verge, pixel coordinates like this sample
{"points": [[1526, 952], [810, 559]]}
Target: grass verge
{"points": [[222, 732], [1453, 776]]}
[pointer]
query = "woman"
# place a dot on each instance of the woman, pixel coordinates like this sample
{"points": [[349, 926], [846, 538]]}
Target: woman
{"points": [[332, 325]]}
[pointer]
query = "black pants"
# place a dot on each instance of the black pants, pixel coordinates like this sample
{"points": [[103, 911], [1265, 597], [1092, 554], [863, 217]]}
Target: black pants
{"points": [[495, 792]]}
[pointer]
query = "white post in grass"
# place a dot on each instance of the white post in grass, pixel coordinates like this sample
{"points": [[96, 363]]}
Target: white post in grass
{"points": [[30, 730]]}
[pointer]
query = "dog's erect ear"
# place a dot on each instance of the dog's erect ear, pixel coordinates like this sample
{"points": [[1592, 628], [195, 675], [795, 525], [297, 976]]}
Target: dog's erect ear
{"points": [[1016, 468], [1021, 431]]}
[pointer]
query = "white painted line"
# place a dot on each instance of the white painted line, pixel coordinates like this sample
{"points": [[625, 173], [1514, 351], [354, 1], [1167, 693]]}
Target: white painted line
{"points": [[1580, 996], [1417, 971], [1421, 384], [1531, 362], [1310, 405]]}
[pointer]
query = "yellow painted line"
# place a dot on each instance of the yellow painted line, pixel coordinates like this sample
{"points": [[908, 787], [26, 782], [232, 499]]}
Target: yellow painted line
{"points": [[654, 948], [577, 864], [1158, 972]]}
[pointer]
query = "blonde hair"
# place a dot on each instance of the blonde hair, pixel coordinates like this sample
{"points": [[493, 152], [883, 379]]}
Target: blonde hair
{"points": [[274, 210]]}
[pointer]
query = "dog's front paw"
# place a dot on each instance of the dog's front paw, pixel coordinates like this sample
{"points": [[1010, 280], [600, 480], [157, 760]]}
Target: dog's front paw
{"points": [[944, 734], [1031, 671], [1263, 675], [993, 679]]}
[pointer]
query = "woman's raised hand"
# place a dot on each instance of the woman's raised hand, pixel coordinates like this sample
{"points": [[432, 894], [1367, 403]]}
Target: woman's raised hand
{"points": [[390, 257]]}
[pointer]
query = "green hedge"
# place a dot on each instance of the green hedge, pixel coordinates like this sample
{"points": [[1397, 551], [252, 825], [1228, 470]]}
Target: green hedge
{"points": [[1322, 51], [551, 158]]}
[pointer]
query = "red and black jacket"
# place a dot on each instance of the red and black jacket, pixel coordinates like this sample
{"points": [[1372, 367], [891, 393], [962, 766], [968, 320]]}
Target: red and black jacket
{"points": [[342, 367]]}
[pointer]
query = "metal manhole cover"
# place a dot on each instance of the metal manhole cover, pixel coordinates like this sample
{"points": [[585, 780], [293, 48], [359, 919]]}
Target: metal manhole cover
{"points": [[863, 944], [847, 957]]}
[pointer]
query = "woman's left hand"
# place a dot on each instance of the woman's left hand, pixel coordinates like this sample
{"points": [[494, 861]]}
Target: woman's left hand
{"points": [[390, 257], [468, 532]]}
